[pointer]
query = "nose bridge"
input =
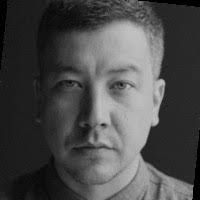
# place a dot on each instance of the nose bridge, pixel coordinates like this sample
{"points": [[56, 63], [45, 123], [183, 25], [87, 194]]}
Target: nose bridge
{"points": [[96, 107], [97, 103]]}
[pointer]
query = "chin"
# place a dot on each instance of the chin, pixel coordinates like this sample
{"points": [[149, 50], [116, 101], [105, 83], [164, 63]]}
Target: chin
{"points": [[96, 174]]}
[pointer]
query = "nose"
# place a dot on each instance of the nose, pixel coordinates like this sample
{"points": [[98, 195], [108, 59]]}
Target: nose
{"points": [[95, 110]]}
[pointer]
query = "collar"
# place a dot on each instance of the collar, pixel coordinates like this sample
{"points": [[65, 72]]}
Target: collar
{"points": [[136, 189]]}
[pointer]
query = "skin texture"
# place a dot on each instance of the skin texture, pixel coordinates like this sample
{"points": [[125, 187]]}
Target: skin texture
{"points": [[97, 104]]}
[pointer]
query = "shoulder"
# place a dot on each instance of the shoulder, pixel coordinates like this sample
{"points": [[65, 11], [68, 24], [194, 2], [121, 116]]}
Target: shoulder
{"points": [[5, 189], [22, 186], [169, 187]]}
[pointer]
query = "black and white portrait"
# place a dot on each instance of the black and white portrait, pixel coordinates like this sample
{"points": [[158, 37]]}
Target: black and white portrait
{"points": [[99, 100]]}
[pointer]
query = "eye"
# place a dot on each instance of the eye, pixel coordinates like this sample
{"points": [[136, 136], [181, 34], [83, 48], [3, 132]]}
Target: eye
{"points": [[68, 84], [122, 85]]}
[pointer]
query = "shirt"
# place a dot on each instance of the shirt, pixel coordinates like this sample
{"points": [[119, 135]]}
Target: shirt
{"points": [[148, 184]]}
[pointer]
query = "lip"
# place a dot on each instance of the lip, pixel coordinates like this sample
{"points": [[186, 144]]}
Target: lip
{"points": [[86, 148], [89, 146], [93, 151]]}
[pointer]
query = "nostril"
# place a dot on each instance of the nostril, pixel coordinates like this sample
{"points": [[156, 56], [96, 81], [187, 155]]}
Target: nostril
{"points": [[84, 125], [104, 125], [88, 125]]}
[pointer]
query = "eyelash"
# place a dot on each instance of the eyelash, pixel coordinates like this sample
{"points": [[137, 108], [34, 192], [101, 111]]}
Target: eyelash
{"points": [[75, 84], [60, 84], [126, 85]]}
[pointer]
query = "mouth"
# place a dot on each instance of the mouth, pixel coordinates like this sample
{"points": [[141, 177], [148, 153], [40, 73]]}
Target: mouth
{"points": [[94, 152], [89, 152], [90, 146]]}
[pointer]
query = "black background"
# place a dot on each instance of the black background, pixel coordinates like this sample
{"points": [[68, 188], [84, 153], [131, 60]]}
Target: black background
{"points": [[172, 146]]}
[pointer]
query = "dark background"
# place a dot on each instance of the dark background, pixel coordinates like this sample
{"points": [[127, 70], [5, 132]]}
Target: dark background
{"points": [[172, 146]]}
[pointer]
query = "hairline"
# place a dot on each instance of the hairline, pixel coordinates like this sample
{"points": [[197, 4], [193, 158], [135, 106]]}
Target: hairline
{"points": [[53, 34]]}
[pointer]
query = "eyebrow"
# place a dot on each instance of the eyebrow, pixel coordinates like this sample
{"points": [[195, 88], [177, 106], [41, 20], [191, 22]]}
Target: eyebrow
{"points": [[125, 69], [67, 69], [75, 70]]}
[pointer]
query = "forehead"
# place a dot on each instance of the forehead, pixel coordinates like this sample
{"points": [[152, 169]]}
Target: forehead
{"points": [[115, 44]]}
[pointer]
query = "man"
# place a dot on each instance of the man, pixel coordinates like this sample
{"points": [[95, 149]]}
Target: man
{"points": [[98, 95]]}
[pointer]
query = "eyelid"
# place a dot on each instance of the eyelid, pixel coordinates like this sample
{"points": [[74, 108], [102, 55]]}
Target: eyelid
{"points": [[69, 80], [131, 84]]}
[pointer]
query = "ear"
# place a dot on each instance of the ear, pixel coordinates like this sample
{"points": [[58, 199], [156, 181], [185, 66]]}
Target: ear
{"points": [[158, 94], [38, 96]]}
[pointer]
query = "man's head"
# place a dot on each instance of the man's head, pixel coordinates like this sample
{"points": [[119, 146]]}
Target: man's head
{"points": [[99, 97], [86, 15]]}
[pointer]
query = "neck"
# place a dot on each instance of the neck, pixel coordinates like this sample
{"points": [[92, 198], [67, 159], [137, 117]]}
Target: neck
{"points": [[104, 191]]}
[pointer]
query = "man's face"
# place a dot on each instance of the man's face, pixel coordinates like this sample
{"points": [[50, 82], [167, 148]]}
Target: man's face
{"points": [[99, 100]]}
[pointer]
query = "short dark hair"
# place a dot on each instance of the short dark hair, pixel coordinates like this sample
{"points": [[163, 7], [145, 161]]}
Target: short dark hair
{"points": [[68, 15]]}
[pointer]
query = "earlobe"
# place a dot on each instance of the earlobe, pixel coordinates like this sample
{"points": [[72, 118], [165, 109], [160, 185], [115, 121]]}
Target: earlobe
{"points": [[38, 97], [158, 94], [36, 86]]}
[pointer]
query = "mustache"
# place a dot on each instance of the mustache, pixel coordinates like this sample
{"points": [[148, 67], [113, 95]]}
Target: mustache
{"points": [[90, 139]]}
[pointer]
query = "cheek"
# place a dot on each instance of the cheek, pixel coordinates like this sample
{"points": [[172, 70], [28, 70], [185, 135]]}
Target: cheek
{"points": [[59, 117], [132, 123]]}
